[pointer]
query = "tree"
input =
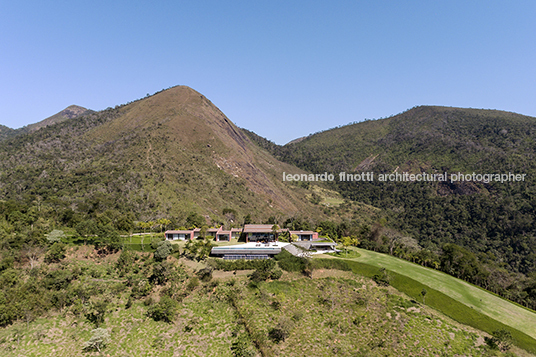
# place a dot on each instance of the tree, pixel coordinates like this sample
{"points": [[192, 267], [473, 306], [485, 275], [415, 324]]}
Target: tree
{"points": [[100, 337], [33, 253], [97, 311], [55, 236], [204, 248], [125, 262], [163, 250], [165, 310], [346, 242], [55, 253], [195, 220], [108, 240], [230, 215], [163, 222], [423, 293], [86, 229], [203, 231], [275, 231]]}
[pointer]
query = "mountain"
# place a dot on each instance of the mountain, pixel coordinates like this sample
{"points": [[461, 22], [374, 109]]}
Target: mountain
{"points": [[167, 155], [70, 112], [495, 220], [5, 132], [443, 137]]}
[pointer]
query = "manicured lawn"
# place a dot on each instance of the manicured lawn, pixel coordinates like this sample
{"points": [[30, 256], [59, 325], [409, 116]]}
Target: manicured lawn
{"points": [[462, 301]]}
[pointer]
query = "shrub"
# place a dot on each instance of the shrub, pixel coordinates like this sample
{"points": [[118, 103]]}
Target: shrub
{"points": [[97, 311], [161, 273], [9, 277], [165, 310], [148, 301], [55, 253], [500, 339], [241, 264], [163, 250], [128, 305], [382, 278], [276, 274], [140, 288], [205, 274], [99, 339], [193, 283], [240, 348], [58, 279], [330, 264], [124, 262], [281, 331], [289, 262]]}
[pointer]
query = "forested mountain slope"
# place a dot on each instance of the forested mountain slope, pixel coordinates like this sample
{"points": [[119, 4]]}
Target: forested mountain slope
{"points": [[495, 220], [5, 132], [166, 155]]}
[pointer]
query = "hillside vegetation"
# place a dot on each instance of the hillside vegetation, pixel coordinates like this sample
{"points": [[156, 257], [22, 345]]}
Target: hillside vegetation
{"points": [[490, 226], [460, 300], [132, 304], [167, 155]]}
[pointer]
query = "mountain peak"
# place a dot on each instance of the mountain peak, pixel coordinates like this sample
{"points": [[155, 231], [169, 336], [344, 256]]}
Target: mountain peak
{"points": [[70, 112]]}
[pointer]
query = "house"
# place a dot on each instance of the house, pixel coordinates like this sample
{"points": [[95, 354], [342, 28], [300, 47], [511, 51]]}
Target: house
{"points": [[179, 235], [261, 232], [318, 247], [261, 241], [305, 235], [217, 234]]}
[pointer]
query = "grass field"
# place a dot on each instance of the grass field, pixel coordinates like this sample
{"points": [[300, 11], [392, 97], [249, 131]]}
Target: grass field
{"points": [[460, 300]]}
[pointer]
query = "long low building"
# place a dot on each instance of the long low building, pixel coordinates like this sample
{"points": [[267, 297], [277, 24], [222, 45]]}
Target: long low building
{"points": [[251, 250], [252, 232], [218, 234]]}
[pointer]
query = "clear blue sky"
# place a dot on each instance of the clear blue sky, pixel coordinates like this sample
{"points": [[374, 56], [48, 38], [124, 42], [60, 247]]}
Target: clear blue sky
{"points": [[283, 69]]}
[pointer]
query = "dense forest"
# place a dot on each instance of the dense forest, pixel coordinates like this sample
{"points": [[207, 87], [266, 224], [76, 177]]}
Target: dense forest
{"points": [[490, 224]]}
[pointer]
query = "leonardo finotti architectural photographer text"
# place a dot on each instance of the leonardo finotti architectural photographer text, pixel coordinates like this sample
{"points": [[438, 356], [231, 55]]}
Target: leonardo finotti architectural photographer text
{"points": [[407, 177]]}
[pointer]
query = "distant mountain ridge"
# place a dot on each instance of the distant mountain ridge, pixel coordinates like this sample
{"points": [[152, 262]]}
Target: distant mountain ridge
{"points": [[488, 218], [5, 132], [437, 135], [70, 112]]}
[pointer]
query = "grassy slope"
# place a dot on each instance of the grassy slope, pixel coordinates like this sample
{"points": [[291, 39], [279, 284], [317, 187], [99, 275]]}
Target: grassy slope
{"points": [[474, 298], [333, 314]]}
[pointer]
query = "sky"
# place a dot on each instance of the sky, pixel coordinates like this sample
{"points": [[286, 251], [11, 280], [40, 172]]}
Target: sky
{"points": [[283, 69]]}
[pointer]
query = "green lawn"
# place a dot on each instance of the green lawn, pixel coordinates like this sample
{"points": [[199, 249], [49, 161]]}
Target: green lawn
{"points": [[458, 299]]}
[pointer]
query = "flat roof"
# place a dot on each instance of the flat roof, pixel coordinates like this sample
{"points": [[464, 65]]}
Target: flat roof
{"points": [[302, 232], [250, 248], [260, 228]]}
